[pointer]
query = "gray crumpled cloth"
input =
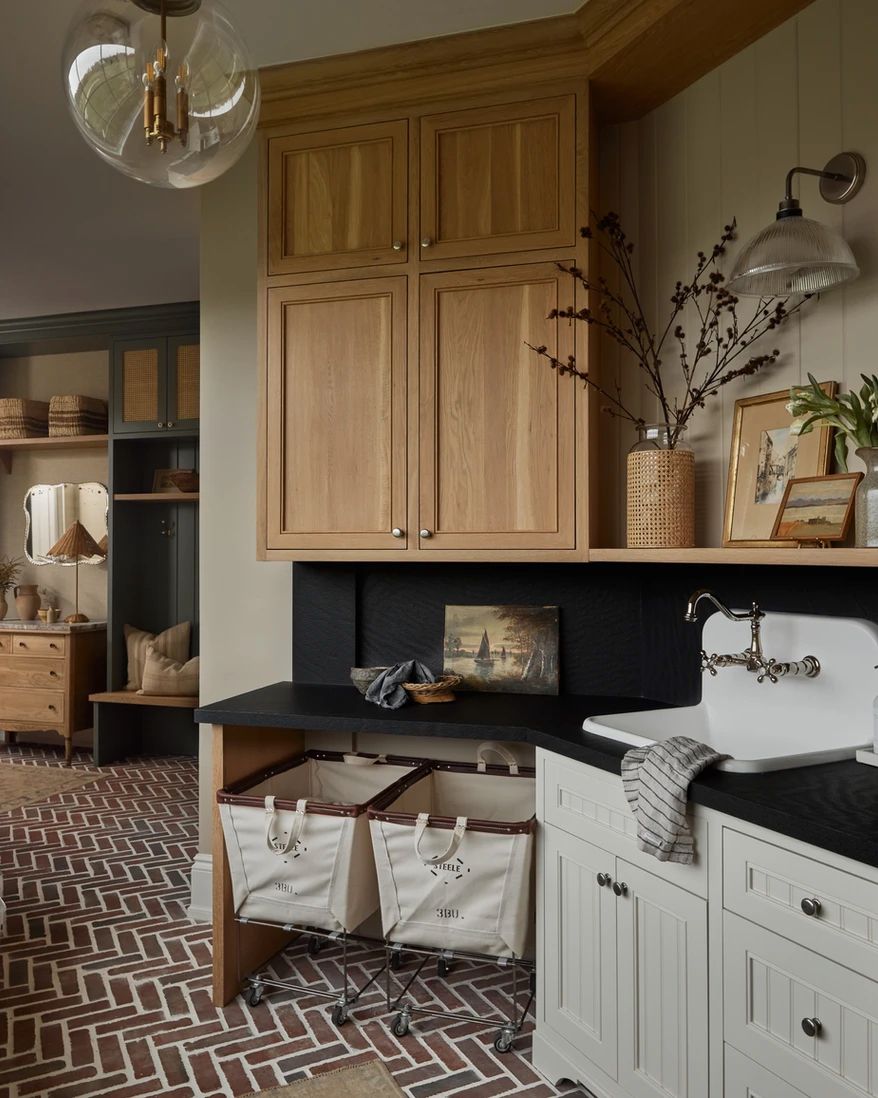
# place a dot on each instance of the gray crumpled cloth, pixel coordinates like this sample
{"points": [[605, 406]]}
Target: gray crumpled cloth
{"points": [[387, 690]]}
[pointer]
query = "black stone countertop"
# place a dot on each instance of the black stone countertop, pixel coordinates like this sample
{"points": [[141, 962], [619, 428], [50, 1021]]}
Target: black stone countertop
{"points": [[834, 806]]}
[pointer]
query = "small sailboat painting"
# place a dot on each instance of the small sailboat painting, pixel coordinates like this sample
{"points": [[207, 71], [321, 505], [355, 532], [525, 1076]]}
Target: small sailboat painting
{"points": [[503, 649]]}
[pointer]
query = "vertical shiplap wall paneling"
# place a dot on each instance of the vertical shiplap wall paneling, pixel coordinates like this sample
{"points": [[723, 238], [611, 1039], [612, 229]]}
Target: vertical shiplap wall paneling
{"points": [[721, 149], [705, 218], [859, 95]]}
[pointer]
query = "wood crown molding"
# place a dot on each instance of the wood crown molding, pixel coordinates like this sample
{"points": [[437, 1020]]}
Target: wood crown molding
{"points": [[637, 53]]}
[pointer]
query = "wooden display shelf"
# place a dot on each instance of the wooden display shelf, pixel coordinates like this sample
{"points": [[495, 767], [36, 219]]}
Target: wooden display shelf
{"points": [[832, 558], [9, 446], [129, 697], [156, 497]]}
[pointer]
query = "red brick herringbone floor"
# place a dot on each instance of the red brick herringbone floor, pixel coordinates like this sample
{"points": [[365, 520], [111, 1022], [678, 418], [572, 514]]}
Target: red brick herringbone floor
{"points": [[105, 984]]}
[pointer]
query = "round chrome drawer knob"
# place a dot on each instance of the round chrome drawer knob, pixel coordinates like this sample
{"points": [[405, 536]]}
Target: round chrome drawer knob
{"points": [[620, 888], [604, 879], [397, 245], [426, 242], [811, 1027], [811, 905], [424, 534], [397, 533]]}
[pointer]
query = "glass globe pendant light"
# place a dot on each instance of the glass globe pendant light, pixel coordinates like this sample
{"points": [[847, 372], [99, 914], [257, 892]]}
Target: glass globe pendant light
{"points": [[796, 255], [163, 90]]}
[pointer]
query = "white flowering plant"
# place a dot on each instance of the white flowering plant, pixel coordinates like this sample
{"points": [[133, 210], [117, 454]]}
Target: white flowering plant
{"points": [[853, 415]]}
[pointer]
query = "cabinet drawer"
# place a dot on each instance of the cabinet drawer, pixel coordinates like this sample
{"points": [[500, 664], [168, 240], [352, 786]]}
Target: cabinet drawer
{"points": [[5, 644], [591, 804], [31, 705], [31, 672], [772, 985], [768, 885], [51, 645], [746, 1079]]}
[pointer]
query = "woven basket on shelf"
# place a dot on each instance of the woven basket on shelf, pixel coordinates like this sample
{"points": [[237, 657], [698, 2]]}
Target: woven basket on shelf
{"points": [[426, 693], [77, 415], [21, 418], [661, 499]]}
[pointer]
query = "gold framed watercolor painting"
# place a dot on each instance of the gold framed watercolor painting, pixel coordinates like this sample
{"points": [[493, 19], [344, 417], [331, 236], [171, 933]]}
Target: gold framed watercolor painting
{"points": [[817, 508], [765, 455]]}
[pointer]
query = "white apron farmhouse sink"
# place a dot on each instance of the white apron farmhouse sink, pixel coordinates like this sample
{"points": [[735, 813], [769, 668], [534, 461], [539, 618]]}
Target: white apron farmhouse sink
{"points": [[772, 726]]}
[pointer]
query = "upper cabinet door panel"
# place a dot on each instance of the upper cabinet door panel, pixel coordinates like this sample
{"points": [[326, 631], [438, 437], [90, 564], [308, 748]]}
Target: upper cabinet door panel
{"points": [[497, 425], [338, 198], [336, 444], [498, 179]]}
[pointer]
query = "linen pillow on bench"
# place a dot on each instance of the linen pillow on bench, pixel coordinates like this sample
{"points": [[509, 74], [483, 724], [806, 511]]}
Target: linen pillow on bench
{"points": [[168, 677], [173, 643]]}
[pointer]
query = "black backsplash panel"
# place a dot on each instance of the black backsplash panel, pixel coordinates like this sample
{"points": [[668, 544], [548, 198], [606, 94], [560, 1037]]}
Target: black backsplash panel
{"points": [[622, 628]]}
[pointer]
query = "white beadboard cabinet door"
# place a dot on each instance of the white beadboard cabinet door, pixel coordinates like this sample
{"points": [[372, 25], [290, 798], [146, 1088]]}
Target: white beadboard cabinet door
{"points": [[578, 948], [662, 968], [746, 1079]]}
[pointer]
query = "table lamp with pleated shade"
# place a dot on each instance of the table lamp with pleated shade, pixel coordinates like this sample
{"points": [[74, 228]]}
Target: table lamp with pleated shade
{"points": [[76, 544]]}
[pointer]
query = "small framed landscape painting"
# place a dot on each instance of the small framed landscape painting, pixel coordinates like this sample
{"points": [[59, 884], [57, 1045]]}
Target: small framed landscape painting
{"points": [[817, 508], [765, 455], [504, 649]]}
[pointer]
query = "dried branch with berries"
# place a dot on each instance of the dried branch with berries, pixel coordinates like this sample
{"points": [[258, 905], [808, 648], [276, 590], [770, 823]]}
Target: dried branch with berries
{"points": [[708, 359]]}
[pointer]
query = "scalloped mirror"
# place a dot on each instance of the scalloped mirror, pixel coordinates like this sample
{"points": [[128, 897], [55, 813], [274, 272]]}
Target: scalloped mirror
{"points": [[51, 508]]}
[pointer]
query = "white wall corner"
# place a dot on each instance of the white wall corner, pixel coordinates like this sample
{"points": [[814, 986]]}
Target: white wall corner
{"points": [[200, 908]]}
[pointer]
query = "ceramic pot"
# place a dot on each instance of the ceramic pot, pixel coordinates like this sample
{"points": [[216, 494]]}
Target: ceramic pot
{"points": [[661, 491], [4, 605], [866, 521], [27, 601]]}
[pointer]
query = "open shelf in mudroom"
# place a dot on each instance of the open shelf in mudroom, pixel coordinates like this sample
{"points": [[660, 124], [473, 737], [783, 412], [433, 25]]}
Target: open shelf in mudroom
{"points": [[155, 497], [832, 558], [131, 697], [9, 446]]}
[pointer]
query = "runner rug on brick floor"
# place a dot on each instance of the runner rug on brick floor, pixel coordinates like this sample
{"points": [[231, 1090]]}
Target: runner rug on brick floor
{"points": [[371, 1080], [21, 784]]}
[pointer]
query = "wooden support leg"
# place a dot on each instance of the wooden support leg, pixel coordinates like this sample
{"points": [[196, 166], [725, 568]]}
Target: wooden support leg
{"points": [[239, 950], [11, 739], [68, 747]]}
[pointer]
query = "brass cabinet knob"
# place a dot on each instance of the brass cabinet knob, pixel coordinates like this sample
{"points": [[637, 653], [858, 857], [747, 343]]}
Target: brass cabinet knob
{"points": [[397, 245], [620, 888], [160, 426], [425, 534], [169, 425], [604, 879], [811, 1027], [426, 242], [811, 905], [397, 533]]}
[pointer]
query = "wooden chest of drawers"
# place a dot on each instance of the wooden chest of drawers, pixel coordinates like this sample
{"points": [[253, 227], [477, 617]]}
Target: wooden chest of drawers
{"points": [[46, 677]]}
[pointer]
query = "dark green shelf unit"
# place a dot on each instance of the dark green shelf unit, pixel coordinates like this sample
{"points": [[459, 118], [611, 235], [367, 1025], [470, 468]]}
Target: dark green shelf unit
{"points": [[153, 547]]}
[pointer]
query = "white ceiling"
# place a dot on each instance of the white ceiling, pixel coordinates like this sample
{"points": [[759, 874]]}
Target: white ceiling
{"points": [[77, 235]]}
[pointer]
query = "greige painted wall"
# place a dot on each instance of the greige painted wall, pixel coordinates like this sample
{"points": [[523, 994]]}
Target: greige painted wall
{"points": [[246, 627], [40, 378], [721, 149]]}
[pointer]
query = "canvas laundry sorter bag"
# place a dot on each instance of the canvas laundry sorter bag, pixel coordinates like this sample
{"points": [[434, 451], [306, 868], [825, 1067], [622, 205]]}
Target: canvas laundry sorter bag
{"points": [[454, 853], [297, 838]]}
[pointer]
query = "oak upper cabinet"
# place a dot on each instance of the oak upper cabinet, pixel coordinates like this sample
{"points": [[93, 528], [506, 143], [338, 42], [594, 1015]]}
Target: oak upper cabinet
{"points": [[498, 179], [338, 198], [336, 416], [497, 426]]}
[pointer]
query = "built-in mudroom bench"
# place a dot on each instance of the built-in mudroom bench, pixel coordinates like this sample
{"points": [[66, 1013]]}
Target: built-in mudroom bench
{"points": [[753, 971]]}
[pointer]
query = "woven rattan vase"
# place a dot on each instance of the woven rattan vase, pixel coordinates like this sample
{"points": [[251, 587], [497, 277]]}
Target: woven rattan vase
{"points": [[661, 493]]}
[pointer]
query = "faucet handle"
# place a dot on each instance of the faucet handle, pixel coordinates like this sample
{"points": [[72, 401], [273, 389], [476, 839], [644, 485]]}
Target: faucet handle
{"points": [[708, 663]]}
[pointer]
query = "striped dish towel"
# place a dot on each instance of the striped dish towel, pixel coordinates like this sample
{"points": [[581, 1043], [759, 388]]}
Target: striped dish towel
{"points": [[656, 781]]}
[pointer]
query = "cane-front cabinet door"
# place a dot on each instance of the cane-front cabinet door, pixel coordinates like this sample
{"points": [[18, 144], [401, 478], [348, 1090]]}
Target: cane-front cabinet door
{"points": [[498, 179], [336, 416], [497, 425], [337, 198]]}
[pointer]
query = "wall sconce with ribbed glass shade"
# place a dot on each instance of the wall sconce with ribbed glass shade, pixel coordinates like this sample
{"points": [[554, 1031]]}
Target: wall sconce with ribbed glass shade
{"points": [[796, 255], [163, 90]]}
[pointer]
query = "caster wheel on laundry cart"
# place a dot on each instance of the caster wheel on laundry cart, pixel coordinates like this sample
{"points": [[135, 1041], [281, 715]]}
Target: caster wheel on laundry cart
{"points": [[339, 1014], [314, 945], [400, 1025], [254, 995], [503, 1041], [443, 967]]}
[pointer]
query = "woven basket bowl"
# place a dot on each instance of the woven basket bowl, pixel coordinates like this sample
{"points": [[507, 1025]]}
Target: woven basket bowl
{"points": [[427, 693]]}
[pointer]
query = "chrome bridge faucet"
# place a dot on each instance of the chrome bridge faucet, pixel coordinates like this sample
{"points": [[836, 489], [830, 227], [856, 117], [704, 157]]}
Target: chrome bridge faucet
{"points": [[753, 659]]}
